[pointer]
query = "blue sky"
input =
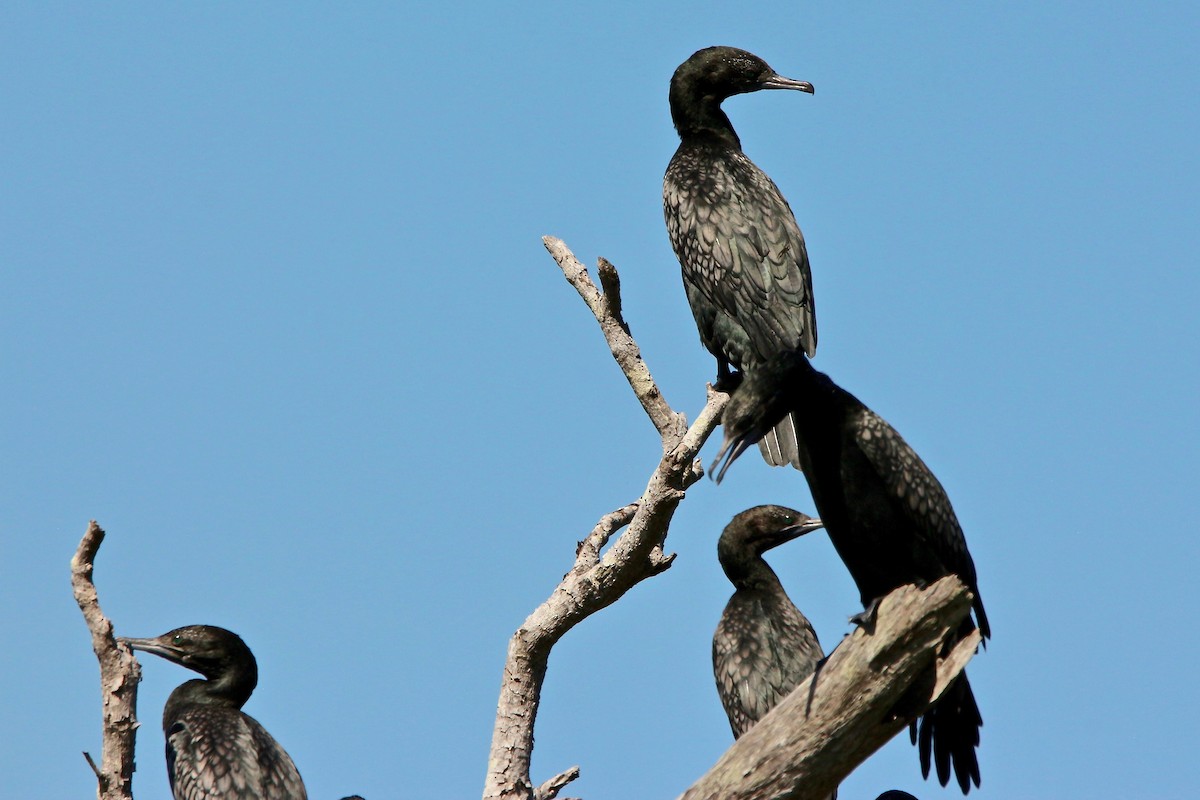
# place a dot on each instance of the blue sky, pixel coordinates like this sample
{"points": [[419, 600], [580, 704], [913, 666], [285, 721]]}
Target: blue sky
{"points": [[277, 314]]}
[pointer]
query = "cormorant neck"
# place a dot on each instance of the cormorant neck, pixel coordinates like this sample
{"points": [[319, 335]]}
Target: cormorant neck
{"points": [[749, 574], [230, 689], [699, 116]]}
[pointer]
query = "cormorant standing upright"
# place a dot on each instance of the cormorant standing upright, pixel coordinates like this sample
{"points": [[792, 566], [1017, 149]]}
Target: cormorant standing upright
{"points": [[214, 751], [745, 266], [763, 647], [888, 518]]}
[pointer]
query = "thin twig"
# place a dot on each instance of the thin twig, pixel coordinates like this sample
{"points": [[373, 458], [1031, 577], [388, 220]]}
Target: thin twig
{"points": [[588, 552], [624, 349], [95, 769], [550, 789]]}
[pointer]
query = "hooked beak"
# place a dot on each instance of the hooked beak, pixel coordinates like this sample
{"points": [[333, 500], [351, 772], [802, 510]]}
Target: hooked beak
{"points": [[794, 532], [780, 82], [155, 646]]}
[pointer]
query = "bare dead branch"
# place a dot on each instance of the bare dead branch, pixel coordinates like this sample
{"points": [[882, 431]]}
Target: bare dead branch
{"points": [[550, 789], [832, 722], [616, 333], [610, 282], [588, 552], [119, 677], [596, 580], [91, 763]]}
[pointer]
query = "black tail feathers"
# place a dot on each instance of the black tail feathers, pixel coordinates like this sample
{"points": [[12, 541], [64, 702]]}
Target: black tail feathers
{"points": [[949, 733]]}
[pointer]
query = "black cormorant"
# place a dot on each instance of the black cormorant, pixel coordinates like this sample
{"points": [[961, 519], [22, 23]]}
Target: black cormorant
{"points": [[763, 647], [888, 518], [214, 751], [745, 266]]}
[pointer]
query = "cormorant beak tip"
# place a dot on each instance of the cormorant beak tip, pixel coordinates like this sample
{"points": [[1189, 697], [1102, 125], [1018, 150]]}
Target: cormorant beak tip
{"points": [[804, 528], [780, 82]]}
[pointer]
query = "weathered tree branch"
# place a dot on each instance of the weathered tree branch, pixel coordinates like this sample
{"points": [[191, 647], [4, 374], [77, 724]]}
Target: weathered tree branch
{"points": [[841, 715], [607, 309], [119, 677], [596, 581], [550, 789]]}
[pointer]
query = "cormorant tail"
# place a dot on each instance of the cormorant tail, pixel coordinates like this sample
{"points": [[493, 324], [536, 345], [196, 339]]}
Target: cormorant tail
{"points": [[949, 732], [779, 447]]}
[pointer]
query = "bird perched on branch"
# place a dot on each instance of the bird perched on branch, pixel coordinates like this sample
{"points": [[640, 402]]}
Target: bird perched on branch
{"points": [[745, 266], [214, 750], [888, 518], [763, 647]]}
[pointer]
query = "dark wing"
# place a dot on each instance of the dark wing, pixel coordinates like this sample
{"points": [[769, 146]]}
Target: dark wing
{"points": [[280, 778], [222, 754], [922, 498], [741, 249], [759, 657]]}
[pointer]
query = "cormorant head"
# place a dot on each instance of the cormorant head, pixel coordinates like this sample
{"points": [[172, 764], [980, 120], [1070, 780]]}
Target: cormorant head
{"points": [[755, 531], [213, 652], [714, 73]]}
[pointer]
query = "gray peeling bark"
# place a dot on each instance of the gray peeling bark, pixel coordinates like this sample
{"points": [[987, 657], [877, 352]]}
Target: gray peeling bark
{"points": [[831, 723], [594, 581], [119, 677]]}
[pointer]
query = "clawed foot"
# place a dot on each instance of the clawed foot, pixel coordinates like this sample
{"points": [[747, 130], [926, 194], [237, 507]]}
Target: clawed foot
{"points": [[866, 618], [727, 380]]}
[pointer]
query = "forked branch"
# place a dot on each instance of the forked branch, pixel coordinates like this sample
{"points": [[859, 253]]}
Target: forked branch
{"points": [[596, 580]]}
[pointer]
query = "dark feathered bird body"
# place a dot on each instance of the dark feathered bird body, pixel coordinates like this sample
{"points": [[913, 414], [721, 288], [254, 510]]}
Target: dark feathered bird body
{"points": [[745, 267], [886, 513], [744, 262], [889, 519], [763, 646]]}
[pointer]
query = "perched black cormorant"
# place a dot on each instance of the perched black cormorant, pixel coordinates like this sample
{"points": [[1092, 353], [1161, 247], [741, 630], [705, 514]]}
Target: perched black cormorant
{"points": [[214, 751], [888, 518], [745, 267], [763, 647]]}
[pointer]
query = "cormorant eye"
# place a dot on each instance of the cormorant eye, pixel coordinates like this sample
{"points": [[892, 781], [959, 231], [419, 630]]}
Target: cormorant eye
{"points": [[177, 639]]}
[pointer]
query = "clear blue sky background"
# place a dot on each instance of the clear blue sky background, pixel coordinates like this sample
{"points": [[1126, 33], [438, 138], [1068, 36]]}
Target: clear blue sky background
{"points": [[275, 311]]}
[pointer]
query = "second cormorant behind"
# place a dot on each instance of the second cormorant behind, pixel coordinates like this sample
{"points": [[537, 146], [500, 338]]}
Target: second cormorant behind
{"points": [[763, 647]]}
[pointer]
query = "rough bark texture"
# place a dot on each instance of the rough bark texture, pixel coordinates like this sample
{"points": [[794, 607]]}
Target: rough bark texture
{"points": [[595, 581], [836, 719], [119, 677]]}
